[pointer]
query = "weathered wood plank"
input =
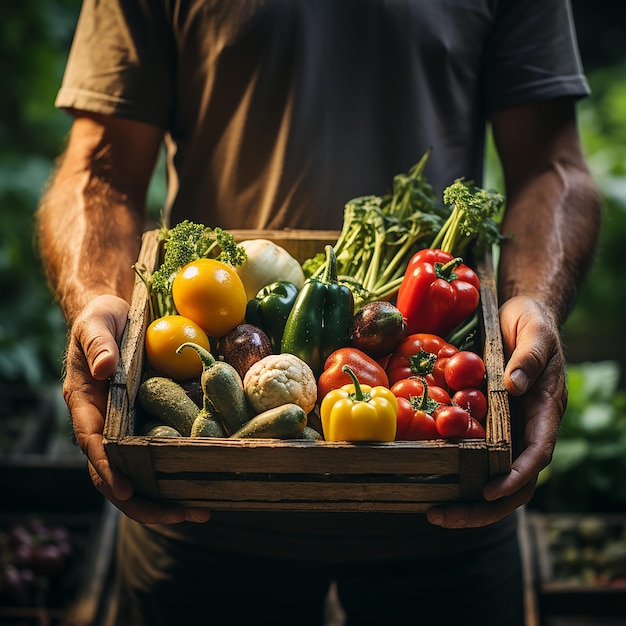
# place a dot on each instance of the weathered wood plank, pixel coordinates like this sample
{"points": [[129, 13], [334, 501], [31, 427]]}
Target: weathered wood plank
{"points": [[285, 490], [284, 457]]}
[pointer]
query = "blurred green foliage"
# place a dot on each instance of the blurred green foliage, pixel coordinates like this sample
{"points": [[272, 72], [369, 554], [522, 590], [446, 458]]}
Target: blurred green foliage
{"points": [[34, 39], [589, 463], [595, 329]]}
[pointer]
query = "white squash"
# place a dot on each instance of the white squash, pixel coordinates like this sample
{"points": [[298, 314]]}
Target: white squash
{"points": [[267, 262]]}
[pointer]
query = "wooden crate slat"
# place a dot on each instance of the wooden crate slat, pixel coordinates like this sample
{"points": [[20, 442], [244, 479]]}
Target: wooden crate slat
{"points": [[286, 457], [315, 507], [135, 462], [498, 420], [473, 469], [118, 421], [127, 376], [499, 459], [285, 490], [492, 338]]}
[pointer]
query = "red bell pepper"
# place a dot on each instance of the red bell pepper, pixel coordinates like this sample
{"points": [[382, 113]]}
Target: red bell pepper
{"points": [[367, 370], [437, 293]]}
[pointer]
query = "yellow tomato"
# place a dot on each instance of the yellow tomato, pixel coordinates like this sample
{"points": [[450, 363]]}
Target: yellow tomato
{"points": [[211, 294], [164, 335]]}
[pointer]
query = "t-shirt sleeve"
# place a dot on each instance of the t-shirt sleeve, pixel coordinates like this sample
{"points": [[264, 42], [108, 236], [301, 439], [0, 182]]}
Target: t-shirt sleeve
{"points": [[120, 62], [532, 54]]}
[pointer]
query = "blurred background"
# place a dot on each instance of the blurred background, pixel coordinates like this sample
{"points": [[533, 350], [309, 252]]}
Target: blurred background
{"points": [[587, 474]]}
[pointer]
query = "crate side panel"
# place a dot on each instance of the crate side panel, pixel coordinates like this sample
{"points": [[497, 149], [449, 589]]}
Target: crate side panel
{"points": [[290, 457], [315, 507], [136, 462], [118, 421], [473, 470], [498, 421], [309, 491], [127, 377]]}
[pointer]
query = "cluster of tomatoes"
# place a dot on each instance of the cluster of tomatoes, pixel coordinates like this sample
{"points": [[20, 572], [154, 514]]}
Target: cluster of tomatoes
{"points": [[439, 389]]}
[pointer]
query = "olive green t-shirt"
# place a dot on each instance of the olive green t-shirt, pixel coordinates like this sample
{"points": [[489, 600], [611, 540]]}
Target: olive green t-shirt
{"points": [[277, 112]]}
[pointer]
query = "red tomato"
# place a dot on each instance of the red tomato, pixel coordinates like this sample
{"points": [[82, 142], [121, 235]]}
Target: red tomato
{"points": [[475, 430], [405, 415], [472, 400], [414, 425], [452, 421], [413, 387], [414, 356], [437, 377], [407, 387], [464, 369], [438, 394]]}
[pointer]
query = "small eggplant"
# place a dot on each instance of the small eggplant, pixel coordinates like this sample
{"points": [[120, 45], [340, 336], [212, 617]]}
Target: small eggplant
{"points": [[377, 329], [243, 346]]}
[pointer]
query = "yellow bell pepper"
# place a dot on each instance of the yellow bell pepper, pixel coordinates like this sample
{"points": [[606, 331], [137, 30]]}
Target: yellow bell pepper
{"points": [[358, 412]]}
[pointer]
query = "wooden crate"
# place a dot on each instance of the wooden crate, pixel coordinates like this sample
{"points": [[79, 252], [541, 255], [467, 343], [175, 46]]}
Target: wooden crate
{"points": [[229, 474]]}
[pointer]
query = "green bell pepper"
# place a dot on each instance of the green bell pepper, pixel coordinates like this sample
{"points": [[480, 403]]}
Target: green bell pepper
{"points": [[319, 322], [270, 308]]}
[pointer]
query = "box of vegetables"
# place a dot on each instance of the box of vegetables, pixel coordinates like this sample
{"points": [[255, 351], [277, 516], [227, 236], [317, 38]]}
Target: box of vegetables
{"points": [[352, 370]]}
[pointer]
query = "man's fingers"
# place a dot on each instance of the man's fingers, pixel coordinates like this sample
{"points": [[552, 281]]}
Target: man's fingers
{"points": [[480, 513], [98, 331], [530, 341], [147, 511]]}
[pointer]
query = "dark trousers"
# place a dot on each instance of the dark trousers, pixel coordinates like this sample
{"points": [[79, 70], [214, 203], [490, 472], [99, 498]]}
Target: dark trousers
{"points": [[168, 583]]}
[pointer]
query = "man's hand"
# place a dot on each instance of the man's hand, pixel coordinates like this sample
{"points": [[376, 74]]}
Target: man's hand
{"points": [[92, 357], [535, 372]]}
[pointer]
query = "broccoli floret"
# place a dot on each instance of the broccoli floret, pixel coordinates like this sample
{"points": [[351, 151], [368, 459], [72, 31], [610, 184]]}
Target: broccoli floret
{"points": [[472, 220], [188, 241], [312, 265]]}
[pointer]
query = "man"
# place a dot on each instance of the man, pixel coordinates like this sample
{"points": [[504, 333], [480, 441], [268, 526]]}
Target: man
{"points": [[274, 114]]}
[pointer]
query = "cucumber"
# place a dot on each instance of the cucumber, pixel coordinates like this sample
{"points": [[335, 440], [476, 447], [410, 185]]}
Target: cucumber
{"points": [[159, 430], [282, 422], [166, 400], [206, 425], [310, 434], [223, 389]]}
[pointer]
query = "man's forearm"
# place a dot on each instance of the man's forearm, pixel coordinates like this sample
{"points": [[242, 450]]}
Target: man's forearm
{"points": [[89, 237], [553, 206], [91, 217], [552, 228]]}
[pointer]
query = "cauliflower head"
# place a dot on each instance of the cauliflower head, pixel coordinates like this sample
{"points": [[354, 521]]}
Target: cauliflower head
{"points": [[280, 379]]}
